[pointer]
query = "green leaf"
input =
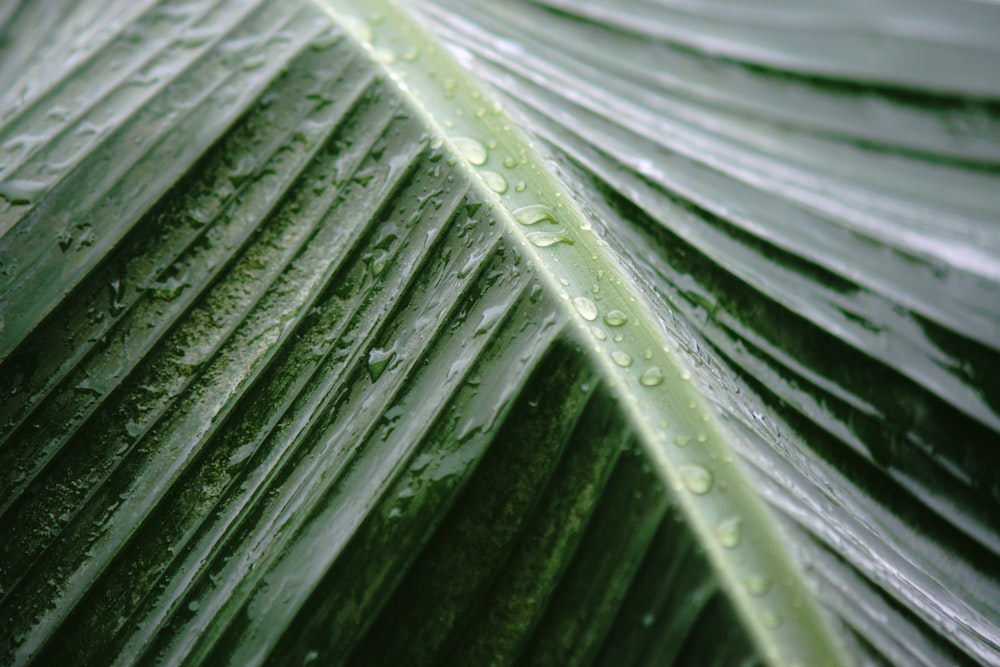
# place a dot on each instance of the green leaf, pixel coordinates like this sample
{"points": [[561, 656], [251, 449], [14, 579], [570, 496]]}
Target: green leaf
{"points": [[626, 333]]}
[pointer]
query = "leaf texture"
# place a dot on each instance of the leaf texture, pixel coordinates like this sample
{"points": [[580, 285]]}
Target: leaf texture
{"points": [[213, 454], [826, 221], [289, 380]]}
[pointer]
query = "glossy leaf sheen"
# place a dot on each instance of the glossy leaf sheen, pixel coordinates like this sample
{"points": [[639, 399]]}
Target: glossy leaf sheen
{"points": [[581, 332]]}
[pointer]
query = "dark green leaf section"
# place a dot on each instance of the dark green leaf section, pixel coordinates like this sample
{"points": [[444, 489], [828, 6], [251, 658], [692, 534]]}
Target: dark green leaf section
{"points": [[277, 388], [813, 202], [84, 170]]}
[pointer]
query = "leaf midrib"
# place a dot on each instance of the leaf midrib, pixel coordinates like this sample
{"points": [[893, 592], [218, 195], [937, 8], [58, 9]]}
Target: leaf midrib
{"points": [[454, 106]]}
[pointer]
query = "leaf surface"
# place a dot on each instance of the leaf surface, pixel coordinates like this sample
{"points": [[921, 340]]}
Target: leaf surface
{"points": [[613, 340]]}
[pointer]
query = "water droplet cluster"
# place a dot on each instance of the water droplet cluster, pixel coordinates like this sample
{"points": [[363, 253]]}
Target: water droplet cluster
{"points": [[506, 171]]}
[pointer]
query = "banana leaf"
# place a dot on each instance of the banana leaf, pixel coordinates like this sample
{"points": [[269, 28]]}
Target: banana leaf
{"points": [[471, 333]]}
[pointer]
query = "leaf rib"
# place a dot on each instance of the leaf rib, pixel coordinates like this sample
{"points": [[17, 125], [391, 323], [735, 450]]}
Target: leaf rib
{"points": [[707, 483]]}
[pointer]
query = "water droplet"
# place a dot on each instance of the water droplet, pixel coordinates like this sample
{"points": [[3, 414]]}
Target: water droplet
{"points": [[685, 374], [615, 318], [520, 187], [757, 585], [728, 531], [771, 620], [621, 358], [647, 620], [378, 361], [411, 55], [494, 181], [545, 239], [195, 38], [117, 296], [471, 150], [652, 377], [509, 162], [598, 333], [169, 289], [194, 605], [702, 437], [682, 441], [64, 238], [21, 191], [421, 462], [490, 317], [380, 263], [533, 214], [586, 308], [697, 479]]}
